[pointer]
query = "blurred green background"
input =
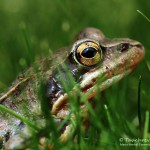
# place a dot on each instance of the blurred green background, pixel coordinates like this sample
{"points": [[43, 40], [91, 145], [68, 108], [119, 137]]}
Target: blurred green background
{"points": [[39, 25]]}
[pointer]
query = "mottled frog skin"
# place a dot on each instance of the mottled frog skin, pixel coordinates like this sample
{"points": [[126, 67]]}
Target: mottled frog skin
{"points": [[90, 57]]}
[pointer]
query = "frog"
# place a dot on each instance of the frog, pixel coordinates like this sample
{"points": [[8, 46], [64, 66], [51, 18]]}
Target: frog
{"points": [[90, 57]]}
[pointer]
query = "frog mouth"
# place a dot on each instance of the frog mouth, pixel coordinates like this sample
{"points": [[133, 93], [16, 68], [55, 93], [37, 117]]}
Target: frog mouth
{"points": [[110, 74], [92, 88]]}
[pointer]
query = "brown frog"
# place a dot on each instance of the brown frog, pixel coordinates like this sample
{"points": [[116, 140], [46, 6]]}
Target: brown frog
{"points": [[92, 56]]}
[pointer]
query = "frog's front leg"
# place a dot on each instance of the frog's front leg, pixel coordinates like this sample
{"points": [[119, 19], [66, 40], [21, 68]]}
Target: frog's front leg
{"points": [[23, 139]]}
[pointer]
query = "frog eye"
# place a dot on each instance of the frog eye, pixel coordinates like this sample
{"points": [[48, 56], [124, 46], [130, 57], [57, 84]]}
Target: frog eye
{"points": [[88, 53]]}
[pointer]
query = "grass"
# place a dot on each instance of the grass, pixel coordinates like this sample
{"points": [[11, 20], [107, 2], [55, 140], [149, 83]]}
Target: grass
{"points": [[143, 15], [114, 120], [108, 128]]}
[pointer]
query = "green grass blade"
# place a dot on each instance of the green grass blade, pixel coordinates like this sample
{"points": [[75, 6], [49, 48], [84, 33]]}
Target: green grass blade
{"points": [[2, 86], [20, 117], [139, 103], [143, 15], [146, 128], [109, 118], [148, 65], [29, 50], [66, 11]]}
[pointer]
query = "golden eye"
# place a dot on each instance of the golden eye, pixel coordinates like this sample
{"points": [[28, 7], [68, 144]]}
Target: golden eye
{"points": [[87, 52]]}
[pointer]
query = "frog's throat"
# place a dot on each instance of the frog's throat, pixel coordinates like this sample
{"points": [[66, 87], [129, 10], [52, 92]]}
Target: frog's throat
{"points": [[91, 91]]}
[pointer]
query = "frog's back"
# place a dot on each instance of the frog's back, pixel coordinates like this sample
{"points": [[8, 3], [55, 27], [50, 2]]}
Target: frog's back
{"points": [[22, 97]]}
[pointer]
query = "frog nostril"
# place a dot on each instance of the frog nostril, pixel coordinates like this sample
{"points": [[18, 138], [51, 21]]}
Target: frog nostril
{"points": [[123, 47]]}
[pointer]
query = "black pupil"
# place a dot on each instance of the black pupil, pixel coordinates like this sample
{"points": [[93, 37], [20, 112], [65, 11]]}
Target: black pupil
{"points": [[89, 52]]}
